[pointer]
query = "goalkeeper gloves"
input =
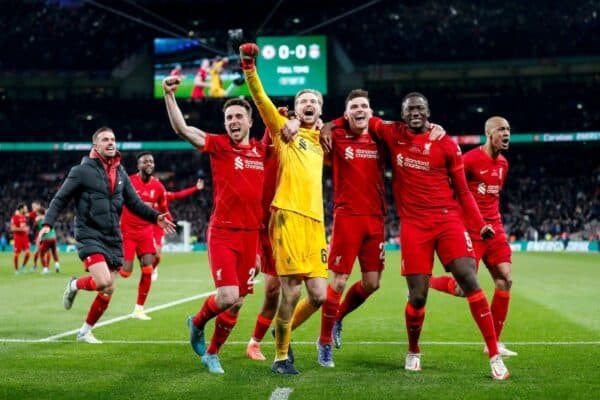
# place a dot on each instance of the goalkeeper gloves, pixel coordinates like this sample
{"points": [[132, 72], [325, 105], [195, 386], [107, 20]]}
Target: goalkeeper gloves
{"points": [[248, 54]]}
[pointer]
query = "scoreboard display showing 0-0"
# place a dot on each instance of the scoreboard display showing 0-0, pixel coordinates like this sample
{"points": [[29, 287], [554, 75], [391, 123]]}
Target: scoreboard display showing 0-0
{"points": [[287, 64]]}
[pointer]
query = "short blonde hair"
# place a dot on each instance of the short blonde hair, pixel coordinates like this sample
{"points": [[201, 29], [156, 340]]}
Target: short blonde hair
{"points": [[313, 91]]}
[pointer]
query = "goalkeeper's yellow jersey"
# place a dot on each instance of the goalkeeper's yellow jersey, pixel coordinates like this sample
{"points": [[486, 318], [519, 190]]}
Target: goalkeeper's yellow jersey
{"points": [[216, 85], [300, 162]]}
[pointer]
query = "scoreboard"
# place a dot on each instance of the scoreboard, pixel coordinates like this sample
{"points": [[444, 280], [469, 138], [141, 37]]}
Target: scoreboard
{"points": [[287, 64]]}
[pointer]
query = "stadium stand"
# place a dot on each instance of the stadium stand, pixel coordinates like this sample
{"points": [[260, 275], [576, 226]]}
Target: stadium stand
{"points": [[53, 92]]}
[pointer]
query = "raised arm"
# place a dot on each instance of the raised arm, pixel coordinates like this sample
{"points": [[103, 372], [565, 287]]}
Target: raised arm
{"points": [[268, 112], [193, 135], [185, 192]]}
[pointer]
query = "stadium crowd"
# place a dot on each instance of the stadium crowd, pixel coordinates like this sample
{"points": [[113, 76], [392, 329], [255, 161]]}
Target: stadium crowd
{"points": [[415, 30], [552, 192], [529, 109], [541, 199]]}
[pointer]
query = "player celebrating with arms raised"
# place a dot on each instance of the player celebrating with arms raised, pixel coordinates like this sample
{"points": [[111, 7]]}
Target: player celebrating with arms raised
{"points": [[237, 164], [296, 227]]}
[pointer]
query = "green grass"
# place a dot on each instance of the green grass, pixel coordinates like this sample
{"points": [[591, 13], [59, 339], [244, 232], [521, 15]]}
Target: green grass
{"points": [[554, 310]]}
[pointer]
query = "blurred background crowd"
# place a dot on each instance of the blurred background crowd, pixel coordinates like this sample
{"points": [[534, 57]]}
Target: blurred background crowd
{"points": [[71, 66]]}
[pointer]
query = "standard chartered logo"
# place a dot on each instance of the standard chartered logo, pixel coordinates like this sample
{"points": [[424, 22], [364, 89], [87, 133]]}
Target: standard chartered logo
{"points": [[481, 188], [349, 153], [238, 163], [400, 160]]}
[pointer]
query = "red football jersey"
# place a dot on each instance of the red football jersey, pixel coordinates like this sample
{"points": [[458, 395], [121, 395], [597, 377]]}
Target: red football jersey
{"points": [[486, 176], [357, 174], [238, 173], [151, 192], [270, 183], [19, 221], [428, 176]]}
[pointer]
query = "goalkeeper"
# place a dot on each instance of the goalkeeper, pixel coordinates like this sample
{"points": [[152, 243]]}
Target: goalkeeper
{"points": [[297, 231]]}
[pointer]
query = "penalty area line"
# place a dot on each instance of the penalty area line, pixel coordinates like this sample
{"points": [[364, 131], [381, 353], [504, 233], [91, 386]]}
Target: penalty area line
{"points": [[128, 316]]}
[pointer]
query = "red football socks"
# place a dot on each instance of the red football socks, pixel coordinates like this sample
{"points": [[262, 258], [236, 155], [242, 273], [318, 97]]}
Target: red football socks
{"points": [[499, 309], [328, 315], [261, 327], [223, 326], [26, 258], [208, 311], [86, 283], [414, 323], [145, 283], [482, 315], [443, 283], [99, 305], [355, 296]]}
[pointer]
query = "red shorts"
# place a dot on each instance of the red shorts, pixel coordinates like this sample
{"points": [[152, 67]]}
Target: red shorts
{"points": [[97, 258], [494, 251], [47, 244], [357, 235], [449, 239], [138, 243], [21, 243], [232, 257], [159, 234], [265, 252]]}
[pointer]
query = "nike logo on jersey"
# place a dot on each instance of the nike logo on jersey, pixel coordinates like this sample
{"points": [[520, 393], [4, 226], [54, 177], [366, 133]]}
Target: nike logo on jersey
{"points": [[483, 171]]}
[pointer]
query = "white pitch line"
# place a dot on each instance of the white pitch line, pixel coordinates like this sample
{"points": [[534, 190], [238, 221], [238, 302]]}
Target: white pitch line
{"points": [[311, 343], [281, 393], [127, 316]]}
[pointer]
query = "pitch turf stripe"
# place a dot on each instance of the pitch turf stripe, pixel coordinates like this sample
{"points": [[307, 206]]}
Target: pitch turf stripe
{"points": [[281, 393], [311, 343], [124, 317]]}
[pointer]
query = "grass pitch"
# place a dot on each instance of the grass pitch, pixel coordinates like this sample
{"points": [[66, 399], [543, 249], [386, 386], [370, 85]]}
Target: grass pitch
{"points": [[554, 324]]}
